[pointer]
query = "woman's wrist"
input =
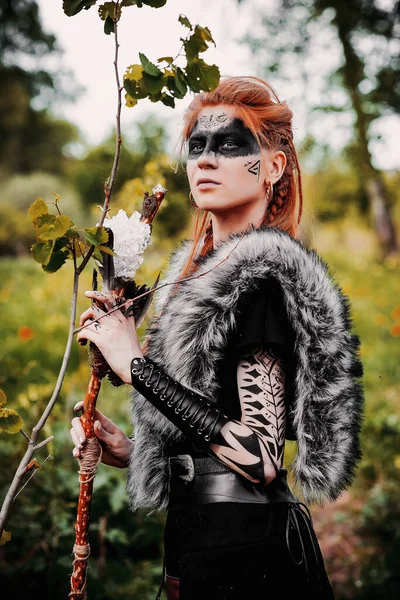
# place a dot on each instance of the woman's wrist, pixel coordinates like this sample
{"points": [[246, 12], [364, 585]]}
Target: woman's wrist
{"points": [[126, 375], [125, 459]]}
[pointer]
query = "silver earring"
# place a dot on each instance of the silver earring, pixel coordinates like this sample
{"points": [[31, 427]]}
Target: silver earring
{"points": [[269, 191]]}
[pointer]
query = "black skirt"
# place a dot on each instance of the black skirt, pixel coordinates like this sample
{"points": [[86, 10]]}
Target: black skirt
{"points": [[229, 551]]}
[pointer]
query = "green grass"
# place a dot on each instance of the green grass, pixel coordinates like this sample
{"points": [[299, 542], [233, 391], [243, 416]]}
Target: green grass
{"points": [[374, 293]]}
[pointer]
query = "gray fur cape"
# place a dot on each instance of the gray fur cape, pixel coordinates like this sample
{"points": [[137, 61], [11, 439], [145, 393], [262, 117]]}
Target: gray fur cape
{"points": [[190, 335]]}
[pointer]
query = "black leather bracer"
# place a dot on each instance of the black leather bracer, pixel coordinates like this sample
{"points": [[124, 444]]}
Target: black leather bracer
{"points": [[195, 416]]}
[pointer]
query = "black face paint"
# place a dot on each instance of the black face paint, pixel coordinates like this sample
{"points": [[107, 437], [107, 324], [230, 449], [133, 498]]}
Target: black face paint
{"points": [[230, 140], [255, 169]]}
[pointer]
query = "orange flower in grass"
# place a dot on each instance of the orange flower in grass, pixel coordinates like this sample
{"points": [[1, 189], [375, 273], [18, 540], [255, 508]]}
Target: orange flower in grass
{"points": [[26, 333], [395, 330]]}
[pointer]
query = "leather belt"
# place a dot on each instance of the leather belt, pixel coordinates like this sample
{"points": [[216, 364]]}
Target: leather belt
{"points": [[185, 467], [196, 481]]}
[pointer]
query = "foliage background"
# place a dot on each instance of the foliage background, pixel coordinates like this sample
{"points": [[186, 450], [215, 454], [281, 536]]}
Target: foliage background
{"points": [[359, 534]]}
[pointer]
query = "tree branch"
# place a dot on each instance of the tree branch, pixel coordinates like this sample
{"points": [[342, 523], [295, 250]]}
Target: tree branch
{"points": [[110, 184]]}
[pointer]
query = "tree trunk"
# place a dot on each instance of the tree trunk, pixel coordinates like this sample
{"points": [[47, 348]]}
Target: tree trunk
{"points": [[381, 214], [353, 74]]}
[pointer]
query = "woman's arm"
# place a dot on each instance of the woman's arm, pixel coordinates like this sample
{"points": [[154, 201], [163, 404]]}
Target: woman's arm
{"points": [[254, 446]]}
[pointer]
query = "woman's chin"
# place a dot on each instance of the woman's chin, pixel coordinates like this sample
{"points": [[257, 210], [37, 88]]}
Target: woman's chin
{"points": [[214, 205]]}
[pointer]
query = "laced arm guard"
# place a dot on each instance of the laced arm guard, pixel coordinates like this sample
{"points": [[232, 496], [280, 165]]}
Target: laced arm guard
{"points": [[196, 417]]}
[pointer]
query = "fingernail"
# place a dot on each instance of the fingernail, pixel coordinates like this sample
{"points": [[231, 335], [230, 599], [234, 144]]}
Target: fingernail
{"points": [[81, 441], [76, 406], [99, 428], [75, 452]]}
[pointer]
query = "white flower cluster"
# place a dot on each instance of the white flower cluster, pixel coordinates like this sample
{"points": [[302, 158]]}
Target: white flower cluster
{"points": [[131, 238]]}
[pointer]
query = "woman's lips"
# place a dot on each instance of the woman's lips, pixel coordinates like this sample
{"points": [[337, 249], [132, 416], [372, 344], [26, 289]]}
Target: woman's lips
{"points": [[203, 183]]}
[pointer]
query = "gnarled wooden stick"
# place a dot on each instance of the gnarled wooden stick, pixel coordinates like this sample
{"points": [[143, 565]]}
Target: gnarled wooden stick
{"points": [[91, 454], [87, 471]]}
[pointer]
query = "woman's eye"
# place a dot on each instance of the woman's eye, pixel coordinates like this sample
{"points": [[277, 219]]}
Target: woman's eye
{"points": [[229, 145], [196, 148]]}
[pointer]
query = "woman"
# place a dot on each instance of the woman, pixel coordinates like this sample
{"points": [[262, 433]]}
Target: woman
{"points": [[254, 346]]}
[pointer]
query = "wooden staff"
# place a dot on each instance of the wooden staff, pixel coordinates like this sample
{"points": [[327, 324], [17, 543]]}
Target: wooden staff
{"points": [[91, 455]]}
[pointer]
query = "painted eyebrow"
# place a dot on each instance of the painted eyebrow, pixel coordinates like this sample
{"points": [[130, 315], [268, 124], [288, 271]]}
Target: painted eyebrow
{"points": [[197, 137], [221, 135]]}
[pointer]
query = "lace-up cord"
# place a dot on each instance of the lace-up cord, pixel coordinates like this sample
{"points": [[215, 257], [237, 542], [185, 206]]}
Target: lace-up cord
{"points": [[194, 417], [155, 388], [298, 510]]}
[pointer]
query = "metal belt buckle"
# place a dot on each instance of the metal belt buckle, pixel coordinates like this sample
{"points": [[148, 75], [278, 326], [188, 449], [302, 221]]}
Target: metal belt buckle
{"points": [[182, 466]]}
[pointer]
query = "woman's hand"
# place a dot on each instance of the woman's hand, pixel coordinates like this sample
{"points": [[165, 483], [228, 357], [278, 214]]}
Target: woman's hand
{"points": [[114, 334], [116, 445]]}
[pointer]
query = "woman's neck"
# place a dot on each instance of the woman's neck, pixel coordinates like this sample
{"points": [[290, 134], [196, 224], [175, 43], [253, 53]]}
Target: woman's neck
{"points": [[235, 221]]}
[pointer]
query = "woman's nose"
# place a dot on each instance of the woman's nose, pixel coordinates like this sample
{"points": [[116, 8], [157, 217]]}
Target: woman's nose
{"points": [[207, 160]]}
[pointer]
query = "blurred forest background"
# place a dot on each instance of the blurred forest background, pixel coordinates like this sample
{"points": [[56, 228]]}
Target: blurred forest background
{"points": [[352, 212]]}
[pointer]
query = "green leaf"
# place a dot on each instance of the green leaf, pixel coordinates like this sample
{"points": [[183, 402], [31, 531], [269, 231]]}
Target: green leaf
{"points": [[41, 251], [168, 100], [202, 76], [167, 59], [180, 83], [57, 259], [97, 255], [72, 233], [10, 421], [155, 97], [148, 66], [106, 250], [107, 14], [108, 26], [139, 3], [135, 89], [155, 3], [73, 7], [57, 197], [185, 21], [153, 84], [134, 72], [107, 10], [37, 209], [53, 228], [96, 235], [204, 33], [5, 537], [196, 43], [43, 219], [129, 101]]}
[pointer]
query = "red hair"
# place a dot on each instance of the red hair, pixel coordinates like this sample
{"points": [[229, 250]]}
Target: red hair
{"points": [[270, 121]]}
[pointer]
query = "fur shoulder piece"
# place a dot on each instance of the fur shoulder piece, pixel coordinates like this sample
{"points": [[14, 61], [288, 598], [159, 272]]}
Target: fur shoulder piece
{"points": [[189, 337]]}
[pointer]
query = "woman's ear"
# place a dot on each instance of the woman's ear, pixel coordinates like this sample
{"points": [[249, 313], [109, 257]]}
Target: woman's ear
{"points": [[276, 164]]}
